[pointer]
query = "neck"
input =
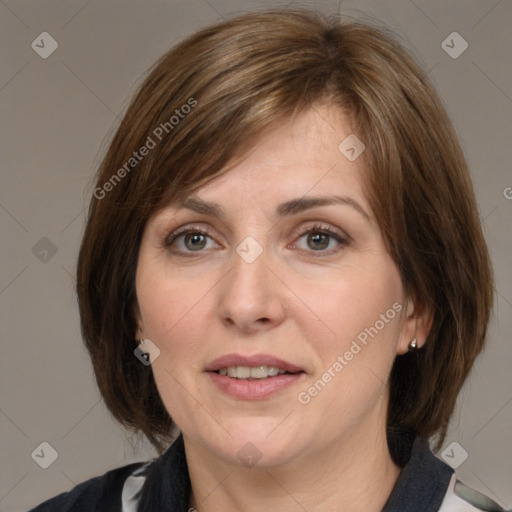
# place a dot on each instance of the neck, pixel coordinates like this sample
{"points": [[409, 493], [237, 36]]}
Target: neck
{"points": [[355, 473]]}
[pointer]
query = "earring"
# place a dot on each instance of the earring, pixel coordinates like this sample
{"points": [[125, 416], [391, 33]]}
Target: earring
{"points": [[413, 345]]}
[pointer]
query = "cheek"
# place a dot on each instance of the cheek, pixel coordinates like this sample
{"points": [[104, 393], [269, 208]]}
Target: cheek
{"points": [[356, 302], [362, 321], [177, 324], [169, 304], [176, 314]]}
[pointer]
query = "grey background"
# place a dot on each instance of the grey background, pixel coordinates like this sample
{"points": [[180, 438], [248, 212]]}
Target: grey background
{"points": [[57, 115]]}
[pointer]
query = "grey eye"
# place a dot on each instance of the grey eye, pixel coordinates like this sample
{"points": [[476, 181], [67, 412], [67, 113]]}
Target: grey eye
{"points": [[195, 241], [318, 241]]}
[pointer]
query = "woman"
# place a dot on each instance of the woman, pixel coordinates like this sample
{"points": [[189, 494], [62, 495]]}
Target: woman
{"points": [[283, 259]]}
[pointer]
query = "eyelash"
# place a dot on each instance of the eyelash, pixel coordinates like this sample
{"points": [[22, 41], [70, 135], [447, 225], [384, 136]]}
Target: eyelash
{"points": [[316, 228]]}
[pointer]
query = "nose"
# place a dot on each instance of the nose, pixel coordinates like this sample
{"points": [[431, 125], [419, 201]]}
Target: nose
{"points": [[251, 297]]}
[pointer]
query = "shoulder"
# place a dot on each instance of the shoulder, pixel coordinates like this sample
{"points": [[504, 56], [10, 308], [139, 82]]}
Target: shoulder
{"points": [[461, 498], [427, 482], [97, 494]]}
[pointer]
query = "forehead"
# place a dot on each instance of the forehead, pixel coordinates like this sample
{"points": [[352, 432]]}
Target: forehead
{"points": [[300, 156]]}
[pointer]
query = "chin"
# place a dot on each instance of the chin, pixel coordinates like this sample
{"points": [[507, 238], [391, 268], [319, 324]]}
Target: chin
{"points": [[254, 444]]}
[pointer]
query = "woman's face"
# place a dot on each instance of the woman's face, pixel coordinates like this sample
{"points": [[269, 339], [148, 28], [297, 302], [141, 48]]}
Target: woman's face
{"points": [[252, 272]]}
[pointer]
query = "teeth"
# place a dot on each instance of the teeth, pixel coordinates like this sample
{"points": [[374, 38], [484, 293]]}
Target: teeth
{"points": [[259, 372], [246, 372]]}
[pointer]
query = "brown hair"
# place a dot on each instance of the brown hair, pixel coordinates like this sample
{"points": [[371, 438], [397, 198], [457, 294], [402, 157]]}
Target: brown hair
{"points": [[239, 78]]}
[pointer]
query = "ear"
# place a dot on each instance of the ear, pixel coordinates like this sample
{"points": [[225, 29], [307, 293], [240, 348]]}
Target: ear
{"points": [[416, 324]]}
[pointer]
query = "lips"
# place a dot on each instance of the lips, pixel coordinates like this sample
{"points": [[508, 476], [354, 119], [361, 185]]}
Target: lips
{"points": [[230, 360], [229, 374]]}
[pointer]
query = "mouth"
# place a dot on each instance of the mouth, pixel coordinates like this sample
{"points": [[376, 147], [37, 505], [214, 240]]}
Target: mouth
{"points": [[253, 373], [259, 366], [253, 377]]}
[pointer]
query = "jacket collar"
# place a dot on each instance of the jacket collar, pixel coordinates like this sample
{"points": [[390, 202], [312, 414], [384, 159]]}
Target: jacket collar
{"points": [[424, 480]]}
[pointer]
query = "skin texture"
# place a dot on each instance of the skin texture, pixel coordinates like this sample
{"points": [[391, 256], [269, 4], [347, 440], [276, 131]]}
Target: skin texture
{"points": [[294, 301]]}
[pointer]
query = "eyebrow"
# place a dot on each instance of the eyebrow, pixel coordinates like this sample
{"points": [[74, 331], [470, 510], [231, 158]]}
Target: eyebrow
{"points": [[292, 207]]}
